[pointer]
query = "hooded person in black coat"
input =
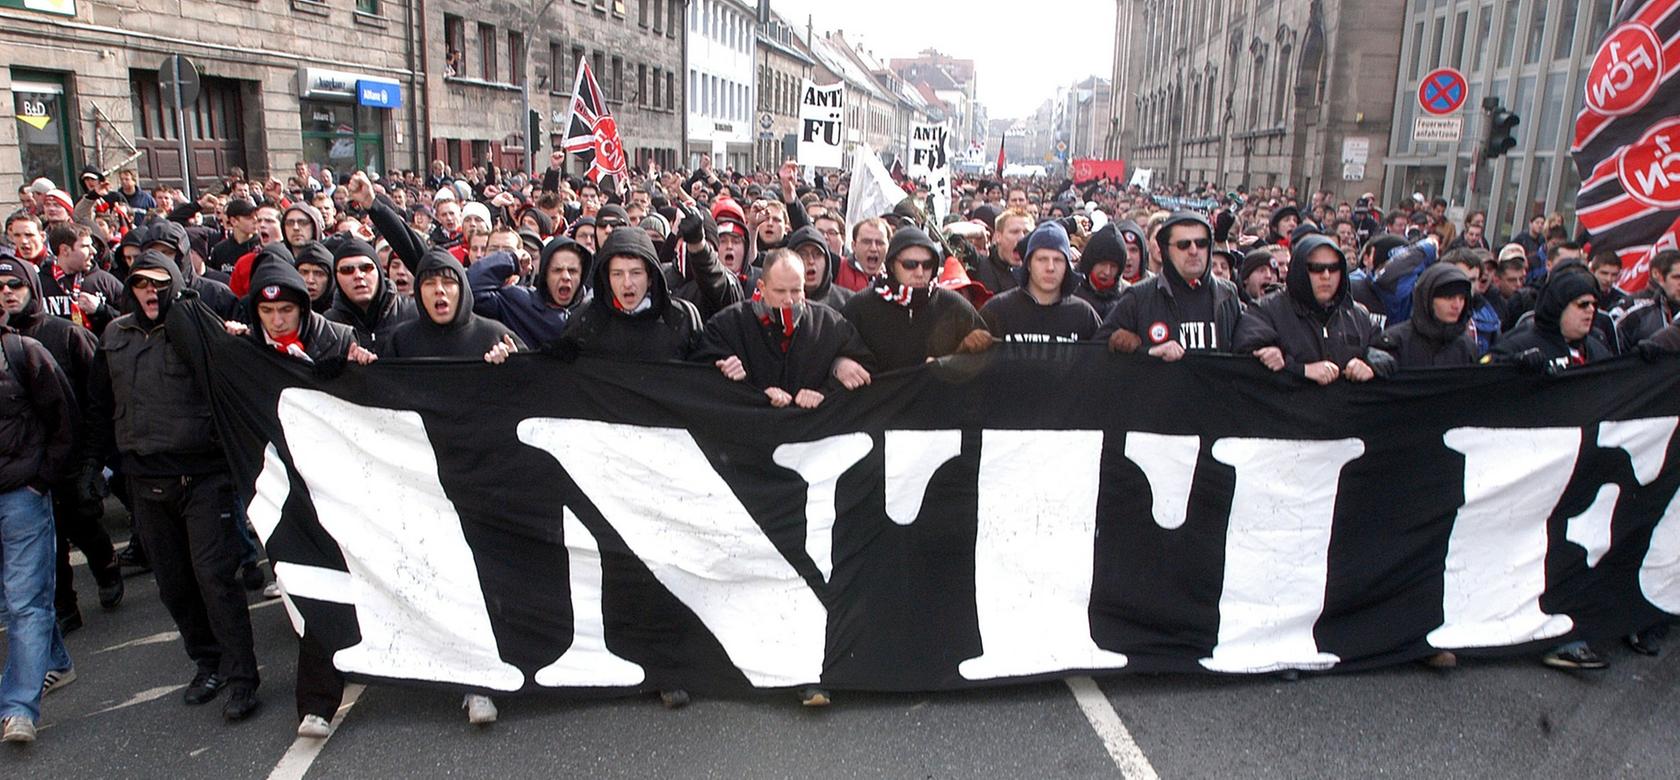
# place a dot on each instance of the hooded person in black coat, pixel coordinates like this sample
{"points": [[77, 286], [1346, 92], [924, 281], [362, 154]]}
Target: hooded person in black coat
{"points": [[314, 264], [692, 268], [364, 298], [1427, 339], [795, 351], [1043, 307], [818, 263], [536, 314], [301, 332], [1134, 265], [633, 315], [447, 326], [1561, 334], [1313, 327], [172, 240], [907, 317], [1101, 268], [1185, 305]]}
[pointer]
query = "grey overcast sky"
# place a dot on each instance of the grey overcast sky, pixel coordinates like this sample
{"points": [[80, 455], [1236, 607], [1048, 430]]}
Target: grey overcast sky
{"points": [[1022, 51]]}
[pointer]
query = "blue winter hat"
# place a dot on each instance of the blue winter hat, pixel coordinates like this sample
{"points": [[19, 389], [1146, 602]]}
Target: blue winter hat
{"points": [[1050, 235]]}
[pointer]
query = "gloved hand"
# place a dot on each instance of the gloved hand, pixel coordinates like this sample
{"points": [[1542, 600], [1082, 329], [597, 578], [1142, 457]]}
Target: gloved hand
{"points": [[90, 483], [1531, 359], [1650, 352], [692, 226]]}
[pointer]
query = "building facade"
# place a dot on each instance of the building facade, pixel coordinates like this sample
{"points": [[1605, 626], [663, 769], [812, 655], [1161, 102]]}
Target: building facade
{"points": [[484, 61], [1260, 92], [1534, 56], [84, 84], [783, 62], [722, 48]]}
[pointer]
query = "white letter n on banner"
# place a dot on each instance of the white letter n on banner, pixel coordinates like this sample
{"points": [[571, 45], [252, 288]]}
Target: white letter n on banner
{"points": [[657, 490], [373, 479]]}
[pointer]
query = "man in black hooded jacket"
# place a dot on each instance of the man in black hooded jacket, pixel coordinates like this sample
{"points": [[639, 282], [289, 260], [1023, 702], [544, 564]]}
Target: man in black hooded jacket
{"points": [[692, 268], [1437, 335], [314, 262], [171, 240], [633, 315], [146, 405], [1042, 307], [447, 326], [818, 262], [1183, 309], [1313, 327], [365, 298], [1101, 267], [1561, 333], [76, 516], [536, 314], [907, 318]]}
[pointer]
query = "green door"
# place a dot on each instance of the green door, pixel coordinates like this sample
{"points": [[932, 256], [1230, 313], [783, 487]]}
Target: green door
{"points": [[43, 130]]}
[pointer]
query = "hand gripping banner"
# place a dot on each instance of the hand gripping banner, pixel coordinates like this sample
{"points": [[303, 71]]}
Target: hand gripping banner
{"points": [[1028, 513]]}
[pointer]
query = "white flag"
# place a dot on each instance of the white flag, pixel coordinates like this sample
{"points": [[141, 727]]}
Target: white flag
{"points": [[873, 191]]}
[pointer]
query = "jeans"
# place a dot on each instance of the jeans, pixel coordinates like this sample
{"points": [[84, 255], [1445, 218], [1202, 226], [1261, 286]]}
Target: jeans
{"points": [[28, 543]]}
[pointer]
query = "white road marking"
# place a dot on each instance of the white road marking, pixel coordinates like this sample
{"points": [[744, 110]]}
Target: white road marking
{"points": [[295, 764], [154, 639], [141, 698], [1106, 722]]}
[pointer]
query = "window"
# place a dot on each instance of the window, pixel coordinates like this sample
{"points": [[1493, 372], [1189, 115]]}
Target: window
{"points": [[641, 84], [516, 58], [1280, 96], [655, 85], [487, 51], [455, 45], [670, 90], [576, 62], [618, 8], [642, 12], [617, 79], [370, 7], [1536, 34], [671, 18], [556, 65], [598, 62], [1480, 42], [1507, 39]]}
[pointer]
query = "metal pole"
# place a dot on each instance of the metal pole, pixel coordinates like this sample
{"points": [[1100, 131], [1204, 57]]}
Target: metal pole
{"points": [[181, 131]]}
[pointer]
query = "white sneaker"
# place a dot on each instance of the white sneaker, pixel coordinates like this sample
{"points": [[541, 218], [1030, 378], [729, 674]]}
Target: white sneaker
{"points": [[56, 679], [17, 729], [271, 590], [480, 709], [314, 727]]}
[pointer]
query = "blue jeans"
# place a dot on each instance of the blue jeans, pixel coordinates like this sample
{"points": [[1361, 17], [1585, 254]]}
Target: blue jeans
{"points": [[27, 570]]}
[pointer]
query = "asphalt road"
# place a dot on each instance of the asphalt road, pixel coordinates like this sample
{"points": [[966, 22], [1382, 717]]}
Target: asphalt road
{"points": [[123, 718]]}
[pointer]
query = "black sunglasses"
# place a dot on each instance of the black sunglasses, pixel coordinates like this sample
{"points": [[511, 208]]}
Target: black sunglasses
{"points": [[911, 265], [1323, 268], [1184, 244], [14, 284]]}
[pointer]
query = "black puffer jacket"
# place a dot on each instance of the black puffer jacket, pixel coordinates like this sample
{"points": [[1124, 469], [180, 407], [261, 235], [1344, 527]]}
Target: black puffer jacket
{"points": [[1425, 342], [668, 328], [37, 419], [1306, 331], [465, 334]]}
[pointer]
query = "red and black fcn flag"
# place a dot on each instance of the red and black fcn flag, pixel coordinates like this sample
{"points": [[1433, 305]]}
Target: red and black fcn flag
{"points": [[591, 132], [1627, 139]]}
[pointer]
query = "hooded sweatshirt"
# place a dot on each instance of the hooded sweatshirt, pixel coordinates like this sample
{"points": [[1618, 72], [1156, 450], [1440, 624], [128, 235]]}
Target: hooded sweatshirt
{"points": [[465, 335], [387, 311], [826, 292], [661, 327], [1017, 316], [1307, 331], [214, 294], [1104, 246], [522, 309], [1543, 334], [1425, 342], [70, 345], [904, 327], [317, 254], [1132, 240], [317, 338], [1201, 314], [318, 223]]}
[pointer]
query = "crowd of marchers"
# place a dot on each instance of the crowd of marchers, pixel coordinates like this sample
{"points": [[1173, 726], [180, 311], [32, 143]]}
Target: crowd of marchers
{"points": [[760, 274]]}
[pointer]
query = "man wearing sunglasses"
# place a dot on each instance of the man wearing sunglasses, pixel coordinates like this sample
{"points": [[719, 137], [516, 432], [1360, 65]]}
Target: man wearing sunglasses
{"points": [[1184, 308], [906, 318], [365, 298], [1560, 335], [1312, 326]]}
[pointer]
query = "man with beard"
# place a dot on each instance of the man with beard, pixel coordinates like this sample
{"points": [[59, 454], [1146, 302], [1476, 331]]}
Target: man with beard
{"points": [[72, 287], [300, 224], [1437, 335], [365, 299], [76, 515], [1043, 307], [779, 343], [997, 271], [1313, 327], [146, 406], [906, 318], [869, 251], [1100, 266], [1651, 309], [818, 264], [1184, 308]]}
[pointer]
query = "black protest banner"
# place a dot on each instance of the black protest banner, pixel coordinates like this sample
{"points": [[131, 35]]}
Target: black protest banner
{"points": [[1030, 512]]}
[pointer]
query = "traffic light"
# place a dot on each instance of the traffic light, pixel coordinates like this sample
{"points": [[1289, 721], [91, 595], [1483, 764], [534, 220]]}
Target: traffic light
{"points": [[534, 132], [1499, 125]]}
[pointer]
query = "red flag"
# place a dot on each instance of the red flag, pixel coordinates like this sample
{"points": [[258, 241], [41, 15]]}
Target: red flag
{"points": [[1000, 157], [591, 132], [1629, 199]]}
